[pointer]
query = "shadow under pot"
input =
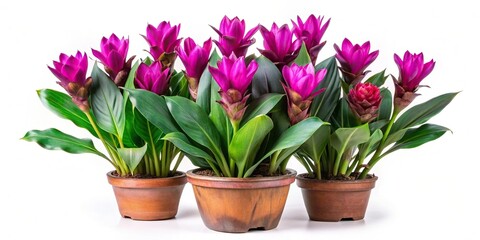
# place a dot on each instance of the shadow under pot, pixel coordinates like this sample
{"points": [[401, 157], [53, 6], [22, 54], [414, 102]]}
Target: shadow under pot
{"points": [[237, 205], [148, 198], [335, 200]]}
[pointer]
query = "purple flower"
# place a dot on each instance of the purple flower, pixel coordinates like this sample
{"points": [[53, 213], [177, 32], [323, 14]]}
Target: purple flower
{"points": [[113, 55], [412, 71], [364, 101], [278, 45], [311, 32], [232, 37], [301, 82], [354, 59], [163, 41], [152, 78], [195, 60], [72, 71], [234, 76]]}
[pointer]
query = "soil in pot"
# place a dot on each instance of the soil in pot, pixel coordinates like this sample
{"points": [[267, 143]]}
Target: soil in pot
{"points": [[148, 198]]}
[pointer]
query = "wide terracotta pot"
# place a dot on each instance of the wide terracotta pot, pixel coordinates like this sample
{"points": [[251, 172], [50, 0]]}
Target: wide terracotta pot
{"points": [[240, 204], [335, 200], [148, 198]]}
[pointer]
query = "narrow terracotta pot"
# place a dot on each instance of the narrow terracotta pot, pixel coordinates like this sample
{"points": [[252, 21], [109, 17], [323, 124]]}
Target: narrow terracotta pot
{"points": [[148, 198], [237, 205], [333, 201]]}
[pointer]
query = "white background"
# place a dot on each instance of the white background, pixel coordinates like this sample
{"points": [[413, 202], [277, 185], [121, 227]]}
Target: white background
{"points": [[430, 192]]}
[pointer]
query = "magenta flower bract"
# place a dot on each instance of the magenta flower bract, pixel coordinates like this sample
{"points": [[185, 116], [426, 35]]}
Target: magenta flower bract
{"points": [[163, 41], [234, 76], [311, 32], [412, 71], [113, 55], [195, 60], [152, 78], [364, 101], [301, 82], [72, 72], [278, 45], [232, 37], [354, 59]]}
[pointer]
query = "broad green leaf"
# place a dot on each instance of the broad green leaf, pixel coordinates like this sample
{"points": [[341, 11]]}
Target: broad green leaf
{"points": [[303, 57], [179, 85], [53, 139], [246, 142], [293, 137], [423, 112], [130, 137], [385, 110], [107, 103], [194, 122], [378, 79], [204, 89], [131, 76], [343, 116], [417, 136], [218, 116], [148, 132], [346, 138], [132, 156], [200, 159], [262, 105], [324, 103], [315, 145], [395, 136], [154, 108], [372, 142], [62, 105], [267, 78]]}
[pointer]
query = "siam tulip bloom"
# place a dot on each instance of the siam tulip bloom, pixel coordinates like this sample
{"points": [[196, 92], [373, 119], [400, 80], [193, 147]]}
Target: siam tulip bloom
{"points": [[71, 71], [152, 78], [364, 101], [311, 32], [234, 76], [412, 71], [195, 60], [113, 55], [233, 38], [163, 41], [301, 82], [278, 45], [354, 59]]}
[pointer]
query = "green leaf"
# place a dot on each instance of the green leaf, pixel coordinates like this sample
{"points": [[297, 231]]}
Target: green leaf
{"points": [[343, 116], [204, 89], [324, 103], [346, 138], [267, 78], [292, 138], [130, 137], [131, 76], [315, 145], [154, 108], [378, 79], [53, 139], [246, 142], [303, 57], [262, 105], [423, 112], [107, 103], [132, 156], [418, 136], [179, 85], [218, 116], [200, 159], [372, 142], [149, 133], [62, 105], [194, 122], [395, 136], [385, 110]]}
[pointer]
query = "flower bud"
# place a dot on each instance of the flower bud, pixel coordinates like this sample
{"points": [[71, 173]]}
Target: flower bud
{"points": [[364, 101]]}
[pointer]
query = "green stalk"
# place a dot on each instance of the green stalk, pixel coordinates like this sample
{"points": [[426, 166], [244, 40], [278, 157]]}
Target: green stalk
{"points": [[273, 162], [305, 164], [377, 156], [179, 160]]}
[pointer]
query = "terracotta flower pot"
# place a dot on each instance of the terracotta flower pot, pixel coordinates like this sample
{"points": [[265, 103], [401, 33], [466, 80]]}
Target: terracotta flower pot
{"points": [[240, 204], [148, 198], [333, 201]]}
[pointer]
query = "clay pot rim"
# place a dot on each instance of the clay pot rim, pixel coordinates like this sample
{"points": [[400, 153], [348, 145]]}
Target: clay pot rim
{"points": [[240, 183], [117, 181], [336, 185]]}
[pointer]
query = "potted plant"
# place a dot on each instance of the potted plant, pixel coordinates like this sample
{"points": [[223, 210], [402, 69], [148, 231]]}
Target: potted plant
{"points": [[145, 181], [367, 123], [235, 129]]}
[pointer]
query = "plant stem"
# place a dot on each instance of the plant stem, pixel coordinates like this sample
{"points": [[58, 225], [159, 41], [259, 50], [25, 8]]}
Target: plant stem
{"points": [[179, 160], [273, 162]]}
